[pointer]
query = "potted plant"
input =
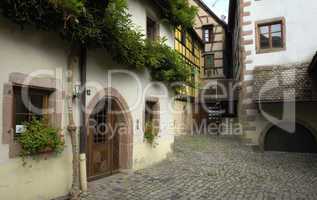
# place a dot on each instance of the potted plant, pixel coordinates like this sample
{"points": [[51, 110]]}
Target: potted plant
{"points": [[39, 138], [150, 133]]}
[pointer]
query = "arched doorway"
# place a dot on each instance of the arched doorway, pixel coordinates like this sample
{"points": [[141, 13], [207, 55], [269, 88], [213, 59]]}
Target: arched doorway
{"points": [[110, 134], [302, 140]]}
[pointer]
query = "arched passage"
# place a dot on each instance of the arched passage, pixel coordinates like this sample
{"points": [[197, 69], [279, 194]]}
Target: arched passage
{"points": [[302, 140], [110, 134]]}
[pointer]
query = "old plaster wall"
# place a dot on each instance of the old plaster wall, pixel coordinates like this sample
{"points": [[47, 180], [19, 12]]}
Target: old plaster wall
{"points": [[136, 87], [27, 52], [300, 47]]}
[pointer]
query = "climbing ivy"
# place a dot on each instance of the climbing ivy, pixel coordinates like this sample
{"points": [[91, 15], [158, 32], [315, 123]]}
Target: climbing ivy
{"points": [[106, 24], [180, 13]]}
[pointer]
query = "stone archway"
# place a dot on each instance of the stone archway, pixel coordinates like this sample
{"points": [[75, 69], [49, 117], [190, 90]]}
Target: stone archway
{"points": [[124, 130], [303, 140]]}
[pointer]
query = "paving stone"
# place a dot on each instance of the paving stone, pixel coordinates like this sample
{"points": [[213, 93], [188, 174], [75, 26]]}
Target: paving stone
{"points": [[210, 167]]}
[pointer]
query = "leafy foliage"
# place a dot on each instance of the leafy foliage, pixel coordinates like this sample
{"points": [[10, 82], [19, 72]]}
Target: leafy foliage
{"points": [[149, 132], [180, 13], [71, 6], [165, 64], [39, 138], [106, 24]]}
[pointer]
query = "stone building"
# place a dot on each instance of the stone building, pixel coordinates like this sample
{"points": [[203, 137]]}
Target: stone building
{"points": [[35, 59], [215, 104], [273, 48], [190, 46], [209, 101]]}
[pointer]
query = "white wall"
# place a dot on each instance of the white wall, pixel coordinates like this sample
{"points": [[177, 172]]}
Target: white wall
{"points": [[140, 9], [30, 50], [99, 64], [301, 45], [300, 17], [26, 52]]}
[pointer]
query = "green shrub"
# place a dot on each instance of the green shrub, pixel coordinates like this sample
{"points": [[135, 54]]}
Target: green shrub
{"points": [[39, 138], [107, 25], [149, 133]]}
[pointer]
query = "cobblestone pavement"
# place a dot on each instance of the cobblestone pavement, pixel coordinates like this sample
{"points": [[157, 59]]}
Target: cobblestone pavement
{"points": [[215, 168]]}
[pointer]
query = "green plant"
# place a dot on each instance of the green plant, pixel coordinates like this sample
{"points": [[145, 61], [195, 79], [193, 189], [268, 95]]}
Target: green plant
{"points": [[39, 138], [149, 132], [180, 13], [107, 24]]}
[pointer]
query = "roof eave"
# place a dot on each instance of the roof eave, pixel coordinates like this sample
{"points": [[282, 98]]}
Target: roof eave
{"points": [[208, 10], [313, 64]]}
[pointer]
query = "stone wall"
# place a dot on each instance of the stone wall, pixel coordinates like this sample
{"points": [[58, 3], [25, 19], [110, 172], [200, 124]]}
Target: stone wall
{"points": [[284, 83]]}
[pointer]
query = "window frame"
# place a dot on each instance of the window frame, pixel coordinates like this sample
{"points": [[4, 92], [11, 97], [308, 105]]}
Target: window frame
{"points": [[270, 22], [154, 113], [156, 29], [56, 94], [32, 91], [210, 29]]}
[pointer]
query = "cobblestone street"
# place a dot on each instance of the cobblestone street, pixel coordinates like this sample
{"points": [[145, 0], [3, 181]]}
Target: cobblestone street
{"points": [[215, 168]]}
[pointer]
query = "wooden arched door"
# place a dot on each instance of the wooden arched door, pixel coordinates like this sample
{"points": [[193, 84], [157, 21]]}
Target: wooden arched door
{"points": [[103, 141]]}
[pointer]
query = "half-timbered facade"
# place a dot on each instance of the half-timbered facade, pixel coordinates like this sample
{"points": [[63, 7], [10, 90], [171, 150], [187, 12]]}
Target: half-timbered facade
{"points": [[214, 103]]}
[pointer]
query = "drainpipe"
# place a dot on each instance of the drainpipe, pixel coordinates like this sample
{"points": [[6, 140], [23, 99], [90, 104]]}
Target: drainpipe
{"points": [[83, 129]]}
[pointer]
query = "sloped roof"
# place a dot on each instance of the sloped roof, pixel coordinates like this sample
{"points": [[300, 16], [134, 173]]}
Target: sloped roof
{"points": [[313, 64], [211, 13]]}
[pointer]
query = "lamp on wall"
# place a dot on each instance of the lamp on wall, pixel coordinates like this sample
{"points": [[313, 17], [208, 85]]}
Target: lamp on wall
{"points": [[76, 90]]}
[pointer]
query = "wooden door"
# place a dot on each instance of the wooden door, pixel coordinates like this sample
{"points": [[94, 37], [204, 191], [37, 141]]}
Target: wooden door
{"points": [[103, 145]]}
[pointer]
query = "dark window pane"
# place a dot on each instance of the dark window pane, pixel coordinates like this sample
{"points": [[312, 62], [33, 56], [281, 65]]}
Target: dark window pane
{"points": [[37, 103], [19, 105], [276, 28], [264, 29], [209, 61], [277, 40], [184, 37], [21, 118], [264, 41], [151, 29]]}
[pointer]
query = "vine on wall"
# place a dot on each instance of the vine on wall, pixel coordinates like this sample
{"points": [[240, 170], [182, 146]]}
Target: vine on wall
{"points": [[107, 24]]}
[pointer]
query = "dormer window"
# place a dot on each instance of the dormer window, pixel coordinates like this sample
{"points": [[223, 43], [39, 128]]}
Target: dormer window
{"points": [[152, 29]]}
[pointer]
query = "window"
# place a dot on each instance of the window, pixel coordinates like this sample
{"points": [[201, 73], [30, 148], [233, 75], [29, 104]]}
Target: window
{"points": [[152, 32], [34, 105], [207, 34], [151, 114], [209, 61], [209, 65], [43, 101], [149, 109], [270, 36]]}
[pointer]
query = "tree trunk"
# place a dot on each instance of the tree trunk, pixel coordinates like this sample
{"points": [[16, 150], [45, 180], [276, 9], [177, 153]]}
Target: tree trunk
{"points": [[75, 190]]}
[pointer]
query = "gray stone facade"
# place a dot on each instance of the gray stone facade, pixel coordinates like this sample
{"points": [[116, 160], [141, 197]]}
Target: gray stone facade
{"points": [[284, 83]]}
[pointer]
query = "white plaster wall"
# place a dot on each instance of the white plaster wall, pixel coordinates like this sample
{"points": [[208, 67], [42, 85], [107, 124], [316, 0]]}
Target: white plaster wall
{"points": [[135, 87], [132, 85], [140, 9], [27, 52], [300, 17]]}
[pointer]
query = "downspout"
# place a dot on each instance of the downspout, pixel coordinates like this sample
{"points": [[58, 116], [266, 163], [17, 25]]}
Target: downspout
{"points": [[83, 128]]}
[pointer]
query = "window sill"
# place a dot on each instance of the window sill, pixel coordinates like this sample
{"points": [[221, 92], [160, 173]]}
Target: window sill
{"points": [[273, 50]]}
